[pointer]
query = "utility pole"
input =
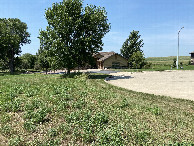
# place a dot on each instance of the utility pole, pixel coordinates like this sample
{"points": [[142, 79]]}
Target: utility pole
{"points": [[178, 49]]}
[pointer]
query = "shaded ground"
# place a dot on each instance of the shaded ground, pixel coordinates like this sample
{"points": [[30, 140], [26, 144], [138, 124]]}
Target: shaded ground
{"points": [[176, 84], [88, 70]]}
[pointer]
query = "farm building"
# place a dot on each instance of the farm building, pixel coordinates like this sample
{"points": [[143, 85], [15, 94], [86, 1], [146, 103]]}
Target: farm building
{"points": [[192, 58], [110, 60]]}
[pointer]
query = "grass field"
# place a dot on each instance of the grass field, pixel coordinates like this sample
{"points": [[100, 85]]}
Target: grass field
{"points": [[168, 60], [84, 110], [163, 63]]}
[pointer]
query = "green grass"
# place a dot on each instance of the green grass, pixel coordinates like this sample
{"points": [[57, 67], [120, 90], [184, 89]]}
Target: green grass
{"points": [[162, 63], [168, 60], [156, 67], [84, 110]]}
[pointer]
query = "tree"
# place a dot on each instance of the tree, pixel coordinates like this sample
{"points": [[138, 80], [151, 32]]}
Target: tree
{"points": [[13, 35], [42, 60], [28, 60], [137, 60], [132, 44], [3, 66], [74, 33]]}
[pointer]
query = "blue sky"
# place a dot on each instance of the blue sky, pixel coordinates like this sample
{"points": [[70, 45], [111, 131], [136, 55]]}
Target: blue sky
{"points": [[157, 21]]}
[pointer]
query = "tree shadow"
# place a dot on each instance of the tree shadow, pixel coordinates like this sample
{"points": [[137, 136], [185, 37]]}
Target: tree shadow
{"points": [[8, 73], [71, 75], [98, 76], [118, 78]]}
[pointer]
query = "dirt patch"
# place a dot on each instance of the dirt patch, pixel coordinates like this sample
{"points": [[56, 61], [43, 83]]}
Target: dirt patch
{"points": [[176, 84], [3, 141]]}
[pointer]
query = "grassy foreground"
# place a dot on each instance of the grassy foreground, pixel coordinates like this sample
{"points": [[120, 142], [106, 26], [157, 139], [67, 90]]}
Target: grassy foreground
{"points": [[84, 110]]}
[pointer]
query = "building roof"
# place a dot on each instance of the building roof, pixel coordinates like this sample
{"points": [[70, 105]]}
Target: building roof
{"points": [[106, 55], [192, 52]]}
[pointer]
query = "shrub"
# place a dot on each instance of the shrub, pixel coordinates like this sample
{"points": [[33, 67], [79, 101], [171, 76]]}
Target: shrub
{"points": [[147, 65]]}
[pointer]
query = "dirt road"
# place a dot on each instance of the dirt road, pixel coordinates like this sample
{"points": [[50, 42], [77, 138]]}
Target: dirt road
{"points": [[176, 84]]}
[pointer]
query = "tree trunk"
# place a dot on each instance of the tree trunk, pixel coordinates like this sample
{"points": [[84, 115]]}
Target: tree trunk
{"points": [[46, 70], [68, 71], [11, 66], [11, 62]]}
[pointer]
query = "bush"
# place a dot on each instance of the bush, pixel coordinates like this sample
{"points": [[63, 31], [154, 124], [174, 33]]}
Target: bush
{"points": [[147, 65]]}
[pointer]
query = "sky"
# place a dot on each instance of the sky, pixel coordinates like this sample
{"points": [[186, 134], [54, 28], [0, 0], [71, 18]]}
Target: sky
{"points": [[158, 23]]}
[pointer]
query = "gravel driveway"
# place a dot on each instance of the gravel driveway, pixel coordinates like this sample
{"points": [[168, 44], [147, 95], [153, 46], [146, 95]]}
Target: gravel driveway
{"points": [[176, 84]]}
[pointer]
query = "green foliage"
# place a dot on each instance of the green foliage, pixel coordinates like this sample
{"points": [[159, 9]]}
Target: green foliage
{"points": [[13, 35], [3, 65], [28, 61], [16, 141], [112, 136], [155, 110], [52, 132], [147, 65], [42, 60], [29, 126], [124, 103], [6, 130], [12, 106], [74, 33], [5, 118], [137, 60], [38, 116], [132, 44]]}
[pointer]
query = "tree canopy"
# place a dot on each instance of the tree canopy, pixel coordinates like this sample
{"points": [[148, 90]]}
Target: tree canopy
{"points": [[13, 35], [73, 33], [28, 61], [132, 44], [137, 60]]}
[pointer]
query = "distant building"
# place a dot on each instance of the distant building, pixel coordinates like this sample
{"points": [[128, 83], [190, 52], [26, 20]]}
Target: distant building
{"points": [[192, 57], [110, 60]]}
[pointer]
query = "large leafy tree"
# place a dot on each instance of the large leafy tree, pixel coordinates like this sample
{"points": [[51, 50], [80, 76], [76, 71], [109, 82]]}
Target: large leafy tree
{"points": [[28, 61], [73, 33], [132, 44], [13, 35]]}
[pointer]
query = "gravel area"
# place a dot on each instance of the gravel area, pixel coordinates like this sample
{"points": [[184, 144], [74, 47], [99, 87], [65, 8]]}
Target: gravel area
{"points": [[176, 84]]}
